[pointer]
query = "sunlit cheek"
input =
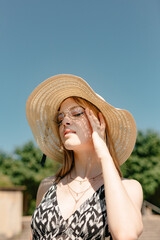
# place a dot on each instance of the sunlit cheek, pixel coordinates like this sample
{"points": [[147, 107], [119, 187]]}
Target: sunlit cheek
{"points": [[86, 130], [87, 133]]}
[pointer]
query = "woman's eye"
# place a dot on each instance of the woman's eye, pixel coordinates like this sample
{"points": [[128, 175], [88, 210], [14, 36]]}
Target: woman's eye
{"points": [[76, 114]]}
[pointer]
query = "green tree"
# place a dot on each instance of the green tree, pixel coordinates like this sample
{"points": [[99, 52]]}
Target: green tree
{"points": [[5, 181], [144, 165], [24, 168], [5, 163]]}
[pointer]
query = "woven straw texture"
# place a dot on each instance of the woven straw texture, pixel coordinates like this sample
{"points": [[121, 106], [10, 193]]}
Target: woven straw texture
{"points": [[42, 106]]}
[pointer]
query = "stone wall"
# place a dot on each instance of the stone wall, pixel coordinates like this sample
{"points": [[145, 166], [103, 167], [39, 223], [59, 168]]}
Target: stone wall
{"points": [[11, 207]]}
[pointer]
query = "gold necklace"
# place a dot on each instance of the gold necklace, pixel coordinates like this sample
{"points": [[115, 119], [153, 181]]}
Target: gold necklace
{"points": [[72, 192], [82, 181], [77, 198]]}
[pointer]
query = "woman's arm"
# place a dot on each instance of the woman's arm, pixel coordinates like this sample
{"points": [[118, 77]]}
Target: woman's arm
{"points": [[123, 200], [123, 197], [31, 237]]}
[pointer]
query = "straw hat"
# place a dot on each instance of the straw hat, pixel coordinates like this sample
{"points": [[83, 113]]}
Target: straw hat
{"points": [[44, 101]]}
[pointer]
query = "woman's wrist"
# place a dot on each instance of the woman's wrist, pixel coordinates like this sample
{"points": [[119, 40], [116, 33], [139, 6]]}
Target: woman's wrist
{"points": [[105, 157]]}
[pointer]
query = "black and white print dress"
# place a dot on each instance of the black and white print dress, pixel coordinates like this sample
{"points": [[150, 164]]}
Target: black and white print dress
{"points": [[89, 221]]}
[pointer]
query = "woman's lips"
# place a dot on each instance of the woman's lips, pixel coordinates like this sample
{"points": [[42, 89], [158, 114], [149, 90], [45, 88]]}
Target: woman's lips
{"points": [[66, 131]]}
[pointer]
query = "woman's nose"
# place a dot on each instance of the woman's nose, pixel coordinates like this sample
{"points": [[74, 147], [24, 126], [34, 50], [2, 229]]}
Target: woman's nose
{"points": [[66, 120]]}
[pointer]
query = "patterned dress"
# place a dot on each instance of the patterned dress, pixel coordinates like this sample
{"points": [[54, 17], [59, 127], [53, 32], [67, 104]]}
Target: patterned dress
{"points": [[89, 221]]}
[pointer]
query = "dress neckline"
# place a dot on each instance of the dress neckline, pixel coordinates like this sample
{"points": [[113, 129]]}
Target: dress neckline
{"points": [[89, 199]]}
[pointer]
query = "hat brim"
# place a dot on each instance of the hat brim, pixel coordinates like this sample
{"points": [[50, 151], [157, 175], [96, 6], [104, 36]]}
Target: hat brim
{"points": [[44, 101]]}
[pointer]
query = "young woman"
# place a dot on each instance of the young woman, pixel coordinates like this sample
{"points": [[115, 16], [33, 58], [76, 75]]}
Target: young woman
{"points": [[87, 198]]}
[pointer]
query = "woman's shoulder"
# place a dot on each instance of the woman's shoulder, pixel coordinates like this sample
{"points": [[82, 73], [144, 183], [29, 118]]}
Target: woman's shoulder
{"points": [[131, 183], [48, 180], [45, 184], [134, 190]]}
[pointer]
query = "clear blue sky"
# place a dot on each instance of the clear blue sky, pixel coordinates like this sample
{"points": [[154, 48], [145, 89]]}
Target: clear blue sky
{"points": [[113, 44]]}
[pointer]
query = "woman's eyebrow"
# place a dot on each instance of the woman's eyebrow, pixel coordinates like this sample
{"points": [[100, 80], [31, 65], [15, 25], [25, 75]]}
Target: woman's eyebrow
{"points": [[75, 107], [71, 108]]}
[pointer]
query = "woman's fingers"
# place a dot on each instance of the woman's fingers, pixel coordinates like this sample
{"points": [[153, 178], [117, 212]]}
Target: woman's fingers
{"points": [[98, 132], [97, 125], [93, 120], [91, 117], [102, 121]]}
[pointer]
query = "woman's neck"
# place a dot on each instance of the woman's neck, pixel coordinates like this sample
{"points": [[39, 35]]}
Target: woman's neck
{"points": [[86, 164]]}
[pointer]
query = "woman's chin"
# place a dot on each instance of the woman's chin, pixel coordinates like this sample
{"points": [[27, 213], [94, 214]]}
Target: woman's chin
{"points": [[71, 145]]}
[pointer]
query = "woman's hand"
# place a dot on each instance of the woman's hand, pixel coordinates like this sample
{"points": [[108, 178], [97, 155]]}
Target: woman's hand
{"points": [[98, 133]]}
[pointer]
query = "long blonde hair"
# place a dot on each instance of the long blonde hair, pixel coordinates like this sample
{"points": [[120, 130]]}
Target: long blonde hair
{"points": [[68, 161]]}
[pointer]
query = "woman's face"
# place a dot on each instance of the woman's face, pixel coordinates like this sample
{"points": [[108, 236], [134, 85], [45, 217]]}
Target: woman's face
{"points": [[74, 128]]}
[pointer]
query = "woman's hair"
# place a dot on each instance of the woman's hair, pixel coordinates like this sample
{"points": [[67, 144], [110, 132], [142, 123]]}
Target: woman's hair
{"points": [[68, 161]]}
